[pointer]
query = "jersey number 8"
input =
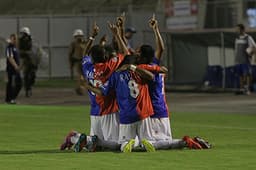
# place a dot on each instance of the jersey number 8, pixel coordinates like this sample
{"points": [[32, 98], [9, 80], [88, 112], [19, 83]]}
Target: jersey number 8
{"points": [[134, 90]]}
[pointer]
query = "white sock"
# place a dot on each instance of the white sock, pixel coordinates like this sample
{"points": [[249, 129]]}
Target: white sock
{"points": [[74, 139], [122, 146]]}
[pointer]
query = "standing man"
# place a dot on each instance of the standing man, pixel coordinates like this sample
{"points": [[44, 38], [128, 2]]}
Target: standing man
{"points": [[243, 43], [129, 31], [28, 64], [13, 71], [75, 55]]}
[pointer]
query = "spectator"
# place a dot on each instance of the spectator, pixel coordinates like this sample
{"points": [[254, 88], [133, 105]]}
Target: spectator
{"points": [[129, 31], [243, 44]]}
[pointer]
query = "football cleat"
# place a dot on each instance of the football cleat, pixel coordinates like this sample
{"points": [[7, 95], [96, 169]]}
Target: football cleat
{"points": [[92, 144], [128, 147], [148, 146], [204, 144], [191, 143], [82, 141], [67, 143]]}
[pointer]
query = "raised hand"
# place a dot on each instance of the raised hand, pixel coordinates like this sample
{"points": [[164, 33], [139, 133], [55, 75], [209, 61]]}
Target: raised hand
{"points": [[113, 28], [153, 22], [121, 20], [95, 29]]}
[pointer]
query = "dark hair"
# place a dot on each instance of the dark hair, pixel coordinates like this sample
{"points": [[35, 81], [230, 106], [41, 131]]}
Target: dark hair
{"points": [[13, 35], [114, 44], [147, 54], [241, 27], [109, 50], [97, 53], [130, 59]]}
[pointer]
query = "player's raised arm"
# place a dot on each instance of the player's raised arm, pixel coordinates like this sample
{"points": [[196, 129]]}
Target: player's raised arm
{"points": [[95, 31], [120, 24], [158, 38], [116, 33]]}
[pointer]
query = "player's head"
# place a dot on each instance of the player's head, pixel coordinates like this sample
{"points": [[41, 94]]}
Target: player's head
{"points": [[114, 44], [240, 28], [146, 54], [129, 31], [130, 59], [97, 53], [25, 31], [110, 52]]}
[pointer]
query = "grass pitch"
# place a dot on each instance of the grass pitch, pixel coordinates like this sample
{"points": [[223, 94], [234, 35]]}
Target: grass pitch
{"points": [[30, 137]]}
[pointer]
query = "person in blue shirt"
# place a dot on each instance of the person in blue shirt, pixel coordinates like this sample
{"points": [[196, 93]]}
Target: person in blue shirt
{"points": [[161, 129]]}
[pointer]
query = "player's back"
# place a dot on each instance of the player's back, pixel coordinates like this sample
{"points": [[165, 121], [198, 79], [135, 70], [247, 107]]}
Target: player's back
{"points": [[102, 72], [132, 96], [157, 93]]}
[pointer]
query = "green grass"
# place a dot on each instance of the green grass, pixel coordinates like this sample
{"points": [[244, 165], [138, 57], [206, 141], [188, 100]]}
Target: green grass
{"points": [[30, 138]]}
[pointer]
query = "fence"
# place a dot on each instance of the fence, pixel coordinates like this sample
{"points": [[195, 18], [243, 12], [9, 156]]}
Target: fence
{"points": [[54, 33], [191, 56]]}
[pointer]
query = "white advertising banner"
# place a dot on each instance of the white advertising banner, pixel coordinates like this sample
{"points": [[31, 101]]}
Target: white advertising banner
{"points": [[182, 22], [181, 8]]}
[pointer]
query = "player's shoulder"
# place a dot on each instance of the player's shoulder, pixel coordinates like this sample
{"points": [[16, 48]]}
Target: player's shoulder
{"points": [[86, 60]]}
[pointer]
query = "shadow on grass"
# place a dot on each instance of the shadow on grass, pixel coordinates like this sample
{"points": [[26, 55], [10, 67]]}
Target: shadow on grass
{"points": [[5, 152], [54, 151]]}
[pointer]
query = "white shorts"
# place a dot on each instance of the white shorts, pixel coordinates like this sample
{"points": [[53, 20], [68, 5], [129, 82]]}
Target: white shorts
{"points": [[96, 128], [110, 127], [142, 129], [161, 129], [105, 127]]}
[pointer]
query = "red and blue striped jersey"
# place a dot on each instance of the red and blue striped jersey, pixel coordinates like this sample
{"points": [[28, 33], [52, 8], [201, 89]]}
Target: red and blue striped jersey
{"points": [[98, 74], [102, 72], [132, 96]]}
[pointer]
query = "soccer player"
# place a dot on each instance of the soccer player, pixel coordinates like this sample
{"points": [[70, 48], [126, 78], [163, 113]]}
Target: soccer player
{"points": [[104, 112], [81, 140], [134, 104], [161, 130], [14, 82]]}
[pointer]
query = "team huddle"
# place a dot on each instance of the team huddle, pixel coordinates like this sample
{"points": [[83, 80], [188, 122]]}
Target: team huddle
{"points": [[127, 96]]}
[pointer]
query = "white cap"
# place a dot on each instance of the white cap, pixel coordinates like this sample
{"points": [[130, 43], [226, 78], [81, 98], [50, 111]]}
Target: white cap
{"points": [[78, 32], [25, 30]]}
